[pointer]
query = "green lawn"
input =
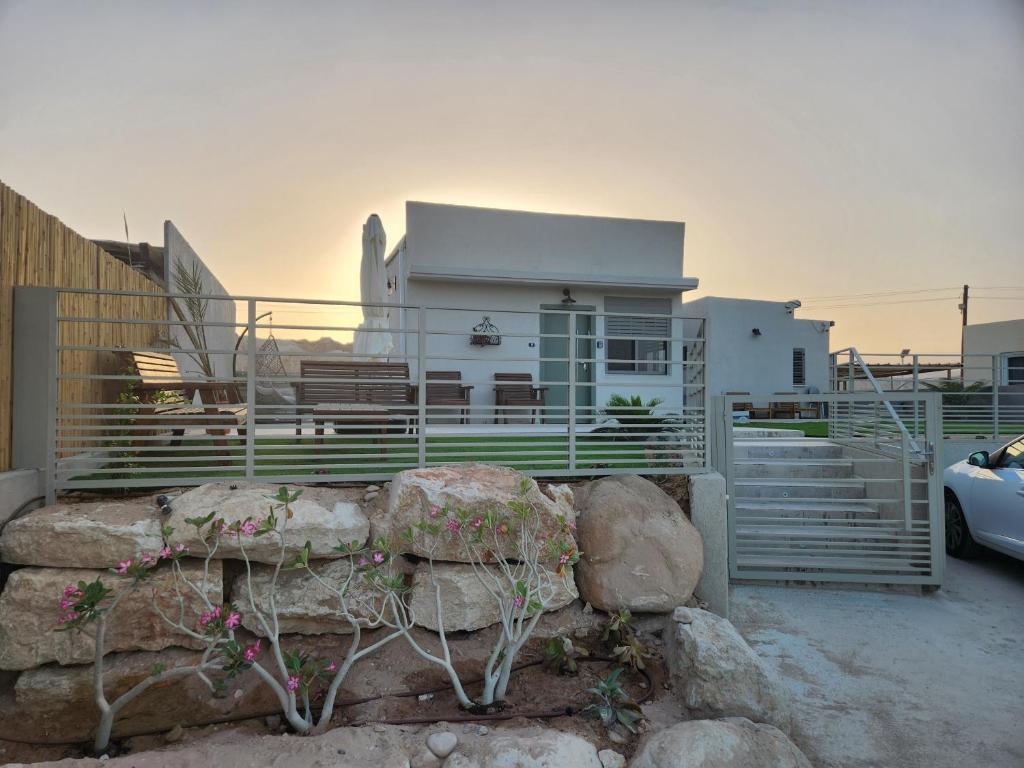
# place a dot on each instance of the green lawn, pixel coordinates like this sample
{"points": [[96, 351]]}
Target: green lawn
{"points": [[347, 456], [809, 428]]}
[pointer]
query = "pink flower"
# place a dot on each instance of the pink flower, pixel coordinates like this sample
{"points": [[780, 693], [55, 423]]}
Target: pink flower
{"points": [[453, 525], [435, 510], [70, 616], [248, 528], [293, 683], [378, 558], [123, 566], [165, 553], [477, 523], [252, 651], [572, 526], [65, 603], [563, 559], [519, 601], [146, 559], [180, 549], [70, 590], [331, 667], [362, 562], [233, 620]]}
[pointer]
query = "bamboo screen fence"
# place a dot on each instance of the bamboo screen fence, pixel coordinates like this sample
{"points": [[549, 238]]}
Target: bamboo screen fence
{"points": [[37, 249]]}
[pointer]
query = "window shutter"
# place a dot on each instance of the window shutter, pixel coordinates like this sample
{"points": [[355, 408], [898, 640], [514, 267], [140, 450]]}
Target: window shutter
{"points": [[636, 327], [799, 367]]}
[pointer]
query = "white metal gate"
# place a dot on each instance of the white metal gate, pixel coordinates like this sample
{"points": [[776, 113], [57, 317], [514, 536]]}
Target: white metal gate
{"points": [[859, 499]]}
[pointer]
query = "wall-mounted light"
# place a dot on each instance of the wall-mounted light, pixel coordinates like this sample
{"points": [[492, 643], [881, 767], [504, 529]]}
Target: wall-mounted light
{"points": [[755, 331], [568, 297]]}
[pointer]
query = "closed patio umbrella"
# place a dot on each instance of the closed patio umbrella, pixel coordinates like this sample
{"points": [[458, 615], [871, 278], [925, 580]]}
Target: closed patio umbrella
{"points": [[369, 343]]}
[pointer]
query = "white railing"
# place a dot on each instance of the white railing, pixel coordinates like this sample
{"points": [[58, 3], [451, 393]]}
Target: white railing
{"points": [[272, 389], [982, 394]]}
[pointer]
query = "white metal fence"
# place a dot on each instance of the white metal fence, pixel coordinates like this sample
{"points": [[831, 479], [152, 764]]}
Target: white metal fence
{"points": [[863, 504], [253, 387], [982, 394]]}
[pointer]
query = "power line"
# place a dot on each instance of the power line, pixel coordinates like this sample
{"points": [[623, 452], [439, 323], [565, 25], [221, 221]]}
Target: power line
{"points": [[880, 303], [873, 294]]}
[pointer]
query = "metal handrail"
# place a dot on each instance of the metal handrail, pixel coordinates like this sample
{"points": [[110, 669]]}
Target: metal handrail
{"points": [[855, 357]]}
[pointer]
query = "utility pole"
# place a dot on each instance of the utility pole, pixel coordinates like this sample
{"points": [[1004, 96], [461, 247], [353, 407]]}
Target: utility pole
{"points": [[963, 324]]}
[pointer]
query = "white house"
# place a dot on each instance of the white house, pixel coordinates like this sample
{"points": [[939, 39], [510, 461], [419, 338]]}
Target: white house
{"points": [[620, 281], [761, 348], [995, 350]]}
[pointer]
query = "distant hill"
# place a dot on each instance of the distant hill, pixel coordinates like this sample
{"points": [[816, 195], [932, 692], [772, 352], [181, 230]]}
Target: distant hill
{"points": [[295, 350]]}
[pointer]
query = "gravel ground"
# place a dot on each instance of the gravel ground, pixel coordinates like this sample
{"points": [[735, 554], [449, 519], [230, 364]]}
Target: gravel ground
{"points": [[900, 680]]}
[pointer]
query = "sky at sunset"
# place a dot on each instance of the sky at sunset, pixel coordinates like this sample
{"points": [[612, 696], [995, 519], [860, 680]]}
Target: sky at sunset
{"points": [[841, 153]]}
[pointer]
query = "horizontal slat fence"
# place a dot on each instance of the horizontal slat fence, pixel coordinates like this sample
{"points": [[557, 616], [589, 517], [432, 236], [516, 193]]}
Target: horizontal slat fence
{"points": [[37, 249]]}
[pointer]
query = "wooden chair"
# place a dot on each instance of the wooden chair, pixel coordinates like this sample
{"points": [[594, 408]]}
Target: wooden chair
{"points": [[223, 407], [741, 405], [449, 391], [783, 410], [516, 389], [809, 410]]}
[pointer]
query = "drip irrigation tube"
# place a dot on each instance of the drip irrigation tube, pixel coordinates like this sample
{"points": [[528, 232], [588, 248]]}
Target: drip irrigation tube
{"points": [[462, 717]]}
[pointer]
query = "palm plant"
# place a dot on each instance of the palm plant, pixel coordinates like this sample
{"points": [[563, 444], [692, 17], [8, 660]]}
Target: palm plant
{"points": [[191, 312], [632, 416]]}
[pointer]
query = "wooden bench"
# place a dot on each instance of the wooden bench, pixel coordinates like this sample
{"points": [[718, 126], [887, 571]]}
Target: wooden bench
{"points": [[222, 406], [352, 383]]}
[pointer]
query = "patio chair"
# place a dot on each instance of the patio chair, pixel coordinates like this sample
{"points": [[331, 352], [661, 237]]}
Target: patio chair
{"points": [[809, 410], [445, 388], [353, 387], [783, 410], [516, 389], [741, 405], [223, 407]]}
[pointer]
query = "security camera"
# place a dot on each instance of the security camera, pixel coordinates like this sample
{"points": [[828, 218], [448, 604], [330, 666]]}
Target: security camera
{"points": [[792, 305]]}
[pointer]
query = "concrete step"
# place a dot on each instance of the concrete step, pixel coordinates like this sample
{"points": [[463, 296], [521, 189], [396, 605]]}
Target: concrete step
{"points": [[749, 510], [806, 448], [789, 488], [794, 468]]}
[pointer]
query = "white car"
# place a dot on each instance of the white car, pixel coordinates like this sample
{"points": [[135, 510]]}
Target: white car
{"points": [[985, 502]]}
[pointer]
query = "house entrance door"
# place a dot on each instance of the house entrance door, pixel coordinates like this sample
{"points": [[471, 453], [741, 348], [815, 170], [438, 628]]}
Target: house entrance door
{"points": [[558, 323]]}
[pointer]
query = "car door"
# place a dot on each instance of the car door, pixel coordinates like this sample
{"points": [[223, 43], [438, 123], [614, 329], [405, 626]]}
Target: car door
{"points": [[997, 495]]}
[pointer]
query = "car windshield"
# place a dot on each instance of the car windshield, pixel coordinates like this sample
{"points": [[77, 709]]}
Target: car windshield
{"points": [[1013, 456]]}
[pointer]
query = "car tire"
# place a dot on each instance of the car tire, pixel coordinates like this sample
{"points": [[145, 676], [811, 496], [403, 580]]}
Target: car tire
{"points": [[959, 542]]}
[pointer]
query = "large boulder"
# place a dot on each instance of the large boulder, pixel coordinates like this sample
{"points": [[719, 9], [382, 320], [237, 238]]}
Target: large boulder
{"points": [[83, 535], [476, 488], [639, 550], [29, 635], [321, 516], [54, 702], [716, 674], [304, 605], [466, 603], [528, 748], [734, 742]]}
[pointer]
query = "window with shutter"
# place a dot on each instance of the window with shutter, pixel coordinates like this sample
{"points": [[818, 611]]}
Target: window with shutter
{"points": [[637, 343], [799, 368]]}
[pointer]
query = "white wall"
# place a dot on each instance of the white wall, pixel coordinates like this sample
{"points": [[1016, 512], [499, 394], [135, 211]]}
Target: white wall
{"points": [[514, 310], [991, 339], [177, 249], [740, 361], [484, 238]]}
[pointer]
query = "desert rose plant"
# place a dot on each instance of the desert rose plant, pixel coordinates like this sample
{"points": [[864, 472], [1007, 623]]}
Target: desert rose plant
{"points": [[295, 678], [510, 556]]}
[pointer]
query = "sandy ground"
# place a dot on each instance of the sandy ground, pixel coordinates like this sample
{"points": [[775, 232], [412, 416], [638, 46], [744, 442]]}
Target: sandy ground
{"points": [[901, 680]]}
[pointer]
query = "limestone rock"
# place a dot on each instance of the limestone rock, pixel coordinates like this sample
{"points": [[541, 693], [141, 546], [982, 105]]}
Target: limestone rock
{"points": [[442, 744], [476, 488], [611, 759], [639, 551], [465, 602], [728, 743], [57, 702], [85, 535], [534, 748], [29, 606], [716, 674], [304, 605], [320, 516]]}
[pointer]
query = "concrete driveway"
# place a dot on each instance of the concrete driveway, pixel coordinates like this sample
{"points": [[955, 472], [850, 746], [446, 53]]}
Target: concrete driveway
{"points": [[893, 680]]}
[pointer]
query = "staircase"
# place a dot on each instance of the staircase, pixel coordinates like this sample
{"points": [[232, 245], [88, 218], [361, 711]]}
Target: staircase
{"points": [[799, 507]]}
